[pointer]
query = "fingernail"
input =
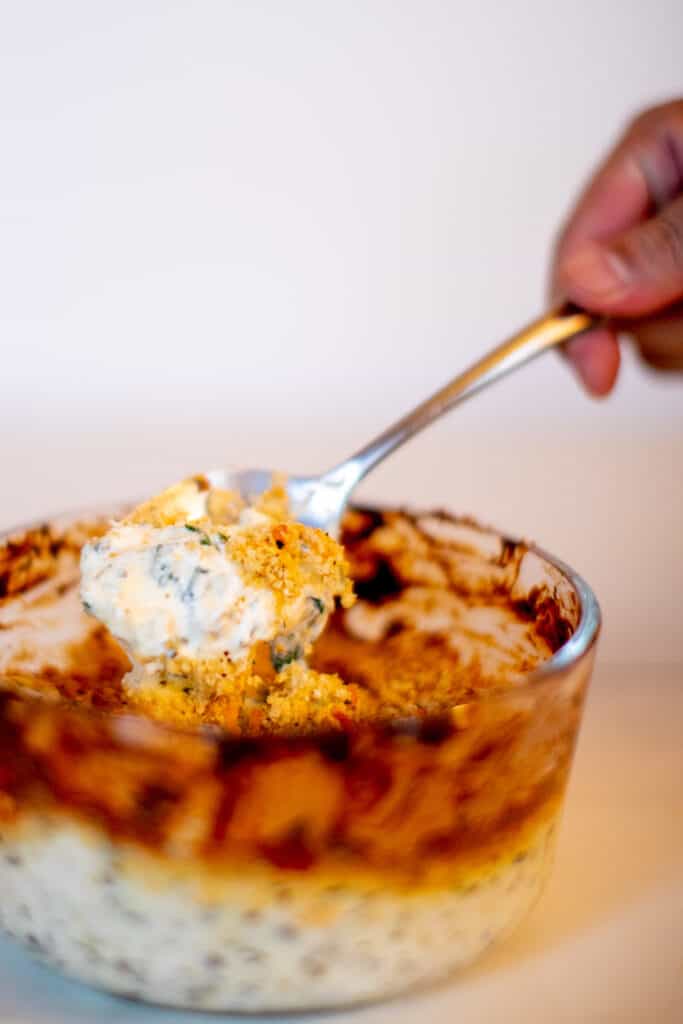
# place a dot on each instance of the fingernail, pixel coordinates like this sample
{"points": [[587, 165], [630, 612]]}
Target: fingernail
{"points": [[598, 272]]}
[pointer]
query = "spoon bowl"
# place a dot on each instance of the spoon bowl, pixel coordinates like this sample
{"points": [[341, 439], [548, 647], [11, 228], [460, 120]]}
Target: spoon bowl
{"points": [[313, 500]]}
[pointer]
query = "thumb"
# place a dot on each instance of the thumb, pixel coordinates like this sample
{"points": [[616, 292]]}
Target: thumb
{"points": [[634, 273]]}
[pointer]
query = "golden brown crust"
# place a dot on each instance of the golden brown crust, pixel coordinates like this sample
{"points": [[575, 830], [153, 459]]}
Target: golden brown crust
{"points": [[172, 505], [285, 557], [252, 698]]}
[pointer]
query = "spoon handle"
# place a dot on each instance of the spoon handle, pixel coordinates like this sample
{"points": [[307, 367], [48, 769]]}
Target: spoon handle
{"points": [[551, 329]]}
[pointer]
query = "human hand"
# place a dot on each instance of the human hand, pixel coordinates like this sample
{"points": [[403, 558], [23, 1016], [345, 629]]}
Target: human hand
{"points": [[621, 250]]}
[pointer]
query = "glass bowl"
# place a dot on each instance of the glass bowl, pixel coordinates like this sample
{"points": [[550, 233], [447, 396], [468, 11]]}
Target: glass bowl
{"points": [[206, 870]]}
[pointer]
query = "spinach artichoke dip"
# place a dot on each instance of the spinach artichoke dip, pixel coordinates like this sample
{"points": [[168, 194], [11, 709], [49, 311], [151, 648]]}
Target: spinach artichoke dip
{"points": [[218, 605], [245, 767]]}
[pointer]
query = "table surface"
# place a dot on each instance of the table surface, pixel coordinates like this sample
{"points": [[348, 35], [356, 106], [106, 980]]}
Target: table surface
{"points": [[604, 944]]}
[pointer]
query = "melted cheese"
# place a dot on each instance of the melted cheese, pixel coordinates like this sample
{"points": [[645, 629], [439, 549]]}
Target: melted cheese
{"points": [[170, 591]]}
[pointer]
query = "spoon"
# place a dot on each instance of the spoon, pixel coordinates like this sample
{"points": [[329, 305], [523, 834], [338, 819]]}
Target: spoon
{"points": [[320, 500]]}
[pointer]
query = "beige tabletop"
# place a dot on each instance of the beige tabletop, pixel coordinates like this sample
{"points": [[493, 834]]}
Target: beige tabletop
{"points": [[605, 943]]}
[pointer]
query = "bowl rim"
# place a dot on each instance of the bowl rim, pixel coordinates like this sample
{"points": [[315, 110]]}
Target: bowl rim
{"points": [[584, 637], [570, 654]]}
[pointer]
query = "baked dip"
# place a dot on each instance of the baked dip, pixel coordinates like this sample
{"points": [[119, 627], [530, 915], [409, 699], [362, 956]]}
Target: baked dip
{"points": [[218, 604], [262, 804]]}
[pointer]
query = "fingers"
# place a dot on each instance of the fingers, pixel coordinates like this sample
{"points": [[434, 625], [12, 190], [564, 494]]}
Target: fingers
{"points": [[639, 271], [621, 251], [595, 356], [659, 340], [642, 173]]}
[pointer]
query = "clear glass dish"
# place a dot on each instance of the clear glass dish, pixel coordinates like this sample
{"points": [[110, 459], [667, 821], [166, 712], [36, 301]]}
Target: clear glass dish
{"points": [[270, 873]]}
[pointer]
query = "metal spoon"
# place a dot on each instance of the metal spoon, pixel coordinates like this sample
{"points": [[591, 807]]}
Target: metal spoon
{"points": [[320, 500]]}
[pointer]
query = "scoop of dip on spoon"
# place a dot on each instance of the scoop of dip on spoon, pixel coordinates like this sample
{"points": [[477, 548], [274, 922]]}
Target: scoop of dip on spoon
{"points": [[215, 600]]}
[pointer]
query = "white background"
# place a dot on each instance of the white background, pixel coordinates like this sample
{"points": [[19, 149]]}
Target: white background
{"points": [[254, 232]]}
